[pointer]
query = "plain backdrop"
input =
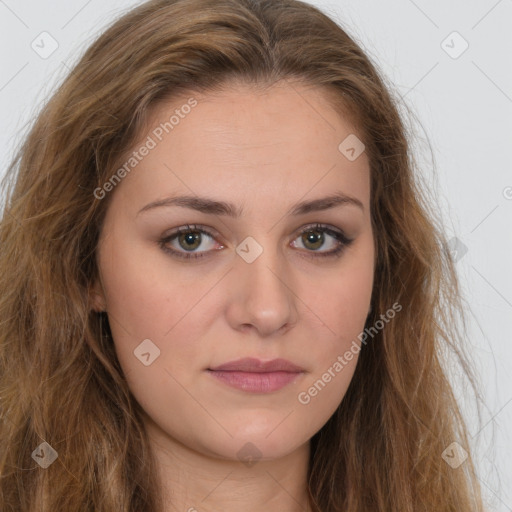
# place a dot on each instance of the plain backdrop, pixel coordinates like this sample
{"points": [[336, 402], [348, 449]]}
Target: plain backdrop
{"points": [[451, 65]]}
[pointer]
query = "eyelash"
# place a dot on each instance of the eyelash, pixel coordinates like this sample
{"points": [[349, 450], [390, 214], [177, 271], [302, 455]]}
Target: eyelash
{"points": [[343, 240]]}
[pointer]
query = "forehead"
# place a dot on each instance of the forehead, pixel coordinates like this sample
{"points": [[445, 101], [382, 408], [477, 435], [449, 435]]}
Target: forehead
{"points": [[278, 137], [241, 111]]}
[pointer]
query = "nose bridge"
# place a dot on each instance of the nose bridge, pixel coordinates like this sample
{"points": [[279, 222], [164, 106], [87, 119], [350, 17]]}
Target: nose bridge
{"points": [[263, 288]]}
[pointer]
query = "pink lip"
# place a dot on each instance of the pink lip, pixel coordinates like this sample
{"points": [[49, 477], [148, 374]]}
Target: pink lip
{"points": [[251, 374], [250, 364]]}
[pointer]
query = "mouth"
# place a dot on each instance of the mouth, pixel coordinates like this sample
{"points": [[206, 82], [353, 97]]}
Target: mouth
{"points": [[254, 375]]}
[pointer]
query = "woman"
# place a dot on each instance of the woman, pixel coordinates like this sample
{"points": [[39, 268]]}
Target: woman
{"points": [[223, 286]]}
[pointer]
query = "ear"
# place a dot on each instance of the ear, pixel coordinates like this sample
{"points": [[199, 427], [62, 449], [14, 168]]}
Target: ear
{"points": [[97, 297]]}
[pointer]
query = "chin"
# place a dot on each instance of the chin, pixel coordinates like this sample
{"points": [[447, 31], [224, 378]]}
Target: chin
{"points": [[257, 444]]}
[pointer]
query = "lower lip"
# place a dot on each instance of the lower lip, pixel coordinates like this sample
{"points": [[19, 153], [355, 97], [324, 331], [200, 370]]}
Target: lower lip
{"points": [[256, 382]]}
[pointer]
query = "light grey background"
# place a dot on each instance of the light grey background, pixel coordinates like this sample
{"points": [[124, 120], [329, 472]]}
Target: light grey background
{"points": [[462, 105]]}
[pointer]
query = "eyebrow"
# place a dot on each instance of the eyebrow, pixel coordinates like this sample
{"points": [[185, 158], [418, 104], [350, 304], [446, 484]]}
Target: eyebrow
{"points": [[213, 207]]}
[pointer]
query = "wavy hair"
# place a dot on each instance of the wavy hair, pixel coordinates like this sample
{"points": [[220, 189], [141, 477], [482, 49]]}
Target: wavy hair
{"points": [[60, 380]]}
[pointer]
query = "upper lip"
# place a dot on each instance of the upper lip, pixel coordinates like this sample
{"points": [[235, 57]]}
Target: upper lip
{"points": [[250, 364]]}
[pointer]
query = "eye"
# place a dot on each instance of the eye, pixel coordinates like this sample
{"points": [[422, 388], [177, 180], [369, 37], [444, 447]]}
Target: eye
{"points": [[188, 238], [313, 237], [185, 240]]}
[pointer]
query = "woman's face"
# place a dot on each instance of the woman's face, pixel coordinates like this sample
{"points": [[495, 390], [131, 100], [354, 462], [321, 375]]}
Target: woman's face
{"points": [[252, 277]]}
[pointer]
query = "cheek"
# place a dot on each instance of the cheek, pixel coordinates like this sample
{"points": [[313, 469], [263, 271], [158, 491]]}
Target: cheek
{"points": [[342, 306], [145, 301], [321, 394], [343, 300], [336, 351], [146, 294], [145, 305]]}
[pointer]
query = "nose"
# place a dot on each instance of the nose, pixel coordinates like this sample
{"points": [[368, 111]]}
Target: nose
{"points": [[262, 295]]}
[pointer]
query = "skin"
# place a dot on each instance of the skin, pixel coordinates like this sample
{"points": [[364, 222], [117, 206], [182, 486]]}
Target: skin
{"points": [[264, 152]]}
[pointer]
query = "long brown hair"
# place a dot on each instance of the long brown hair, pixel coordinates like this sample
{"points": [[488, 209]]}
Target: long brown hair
{"points": [[60, 381]]}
